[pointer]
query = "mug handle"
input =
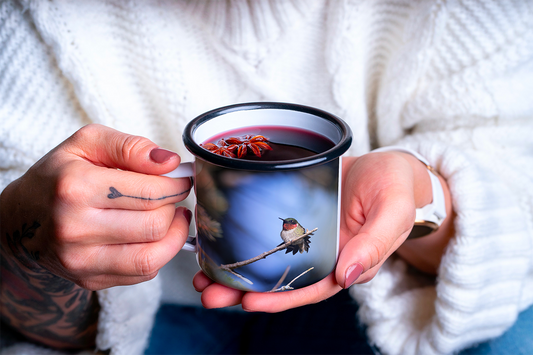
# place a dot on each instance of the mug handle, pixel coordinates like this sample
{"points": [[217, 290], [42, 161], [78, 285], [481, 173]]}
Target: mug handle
{"points": [[185, 170]]}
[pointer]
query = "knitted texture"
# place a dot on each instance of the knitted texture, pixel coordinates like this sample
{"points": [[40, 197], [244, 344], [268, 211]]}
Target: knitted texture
{"points": [[38, 108], [451, 80], [126, 318]]}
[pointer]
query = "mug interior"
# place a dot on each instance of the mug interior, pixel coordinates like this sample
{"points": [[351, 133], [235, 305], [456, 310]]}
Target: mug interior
{"points": [[239, 116], [272, 117]]}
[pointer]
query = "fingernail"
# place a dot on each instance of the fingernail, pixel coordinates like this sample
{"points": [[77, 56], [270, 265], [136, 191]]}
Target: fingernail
{"points": [[160, 155], [352, 274], [188, 215]]}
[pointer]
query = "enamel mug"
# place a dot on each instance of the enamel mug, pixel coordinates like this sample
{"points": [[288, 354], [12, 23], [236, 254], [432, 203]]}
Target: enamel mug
{"points": [[266, 225]]}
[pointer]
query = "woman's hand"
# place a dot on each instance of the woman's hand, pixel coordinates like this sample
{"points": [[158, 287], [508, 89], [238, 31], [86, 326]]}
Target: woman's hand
{"points": [[91, 214], [380, 193], [101, 215]]}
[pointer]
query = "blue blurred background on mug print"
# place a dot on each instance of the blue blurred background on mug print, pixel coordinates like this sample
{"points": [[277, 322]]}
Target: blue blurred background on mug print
{"points": [[251, 224]]}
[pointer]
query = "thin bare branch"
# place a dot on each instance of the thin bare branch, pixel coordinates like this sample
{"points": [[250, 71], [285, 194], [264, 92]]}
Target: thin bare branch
{"points": [[282, 278], [238, 264], [240, 276], [288, 286]]}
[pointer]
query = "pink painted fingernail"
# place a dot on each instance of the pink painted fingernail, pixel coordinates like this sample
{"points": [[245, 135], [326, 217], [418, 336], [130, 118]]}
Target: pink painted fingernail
{"points": [[188, 215], [160, 155], [352, 274]]}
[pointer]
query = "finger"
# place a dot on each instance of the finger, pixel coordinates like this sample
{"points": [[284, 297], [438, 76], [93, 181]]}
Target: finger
{"points": [[100, 282], [107, 147], [84, 185], [278, 302], [354, 271], [132, 191], [141, 259], [219, 296], [384, 230], [200, 281], [124, 227]]}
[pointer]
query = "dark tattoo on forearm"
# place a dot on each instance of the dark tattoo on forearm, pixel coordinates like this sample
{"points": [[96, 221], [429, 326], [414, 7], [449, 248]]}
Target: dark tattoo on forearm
{"points": [[115, 194], [37, 302]]}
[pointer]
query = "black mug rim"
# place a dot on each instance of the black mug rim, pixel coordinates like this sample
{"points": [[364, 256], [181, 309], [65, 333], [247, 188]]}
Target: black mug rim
{"points": [[253, 165]]}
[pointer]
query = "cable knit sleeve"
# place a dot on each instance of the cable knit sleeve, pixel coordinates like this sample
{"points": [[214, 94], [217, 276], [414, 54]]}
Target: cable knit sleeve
{"points": [[467, 108], [38, 110]]}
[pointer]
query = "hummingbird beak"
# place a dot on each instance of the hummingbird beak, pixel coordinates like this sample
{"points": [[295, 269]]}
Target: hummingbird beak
{"points": [[281, 219]]}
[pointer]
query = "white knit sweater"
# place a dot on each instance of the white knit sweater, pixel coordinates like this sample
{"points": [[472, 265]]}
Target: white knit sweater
{"points": [[449, 79]]}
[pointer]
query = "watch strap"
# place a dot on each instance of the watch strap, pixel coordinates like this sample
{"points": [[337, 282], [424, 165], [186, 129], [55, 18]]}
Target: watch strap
{"points": [[435, 211]]}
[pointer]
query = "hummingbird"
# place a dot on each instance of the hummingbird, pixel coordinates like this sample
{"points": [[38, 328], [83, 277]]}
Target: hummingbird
{"points": [[291, 230]]}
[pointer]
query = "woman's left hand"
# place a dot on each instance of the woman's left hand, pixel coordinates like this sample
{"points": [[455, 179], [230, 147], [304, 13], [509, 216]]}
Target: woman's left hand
{"points": [[380, 193]]}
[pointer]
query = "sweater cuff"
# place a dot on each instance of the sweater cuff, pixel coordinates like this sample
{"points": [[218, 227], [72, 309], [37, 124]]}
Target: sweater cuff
{"points": [[126, 317], [483, 275]]}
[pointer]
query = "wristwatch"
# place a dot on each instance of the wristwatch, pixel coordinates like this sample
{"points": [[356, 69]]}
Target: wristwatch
{"points": [[430, 217]]}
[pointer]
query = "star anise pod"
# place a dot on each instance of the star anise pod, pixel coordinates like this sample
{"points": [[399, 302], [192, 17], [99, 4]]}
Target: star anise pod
{"points": [[239, 145], [221, 148]]}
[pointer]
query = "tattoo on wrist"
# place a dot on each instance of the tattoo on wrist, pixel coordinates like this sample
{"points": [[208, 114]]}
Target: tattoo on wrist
{"points": [[115, 194], [39, 303]]}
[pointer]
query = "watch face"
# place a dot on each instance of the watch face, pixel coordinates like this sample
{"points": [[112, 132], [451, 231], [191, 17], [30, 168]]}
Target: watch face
{"points": [[422, 228]]}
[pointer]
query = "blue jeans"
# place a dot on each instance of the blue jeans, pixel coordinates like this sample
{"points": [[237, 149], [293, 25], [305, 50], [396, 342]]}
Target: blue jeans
{"points": [[329, 327], [517, 340]]}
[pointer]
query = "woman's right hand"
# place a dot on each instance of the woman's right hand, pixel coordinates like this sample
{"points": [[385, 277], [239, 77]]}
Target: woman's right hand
{"points": [[102, 215]]}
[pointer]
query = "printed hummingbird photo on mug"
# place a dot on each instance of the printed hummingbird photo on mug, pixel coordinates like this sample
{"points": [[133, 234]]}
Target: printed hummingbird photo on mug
{"points": [[267, 231]]}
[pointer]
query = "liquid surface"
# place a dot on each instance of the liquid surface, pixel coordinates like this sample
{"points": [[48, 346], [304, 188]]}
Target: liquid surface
{"points": [[287, 143]]}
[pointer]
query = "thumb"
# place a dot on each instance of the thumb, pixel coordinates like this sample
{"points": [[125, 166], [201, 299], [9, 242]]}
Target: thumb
{"points": [[108, 147], [385, 229]]}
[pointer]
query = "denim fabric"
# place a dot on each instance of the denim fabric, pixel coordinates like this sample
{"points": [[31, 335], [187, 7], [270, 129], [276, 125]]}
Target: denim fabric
{"points": [[328, 327], [516, 341]]}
